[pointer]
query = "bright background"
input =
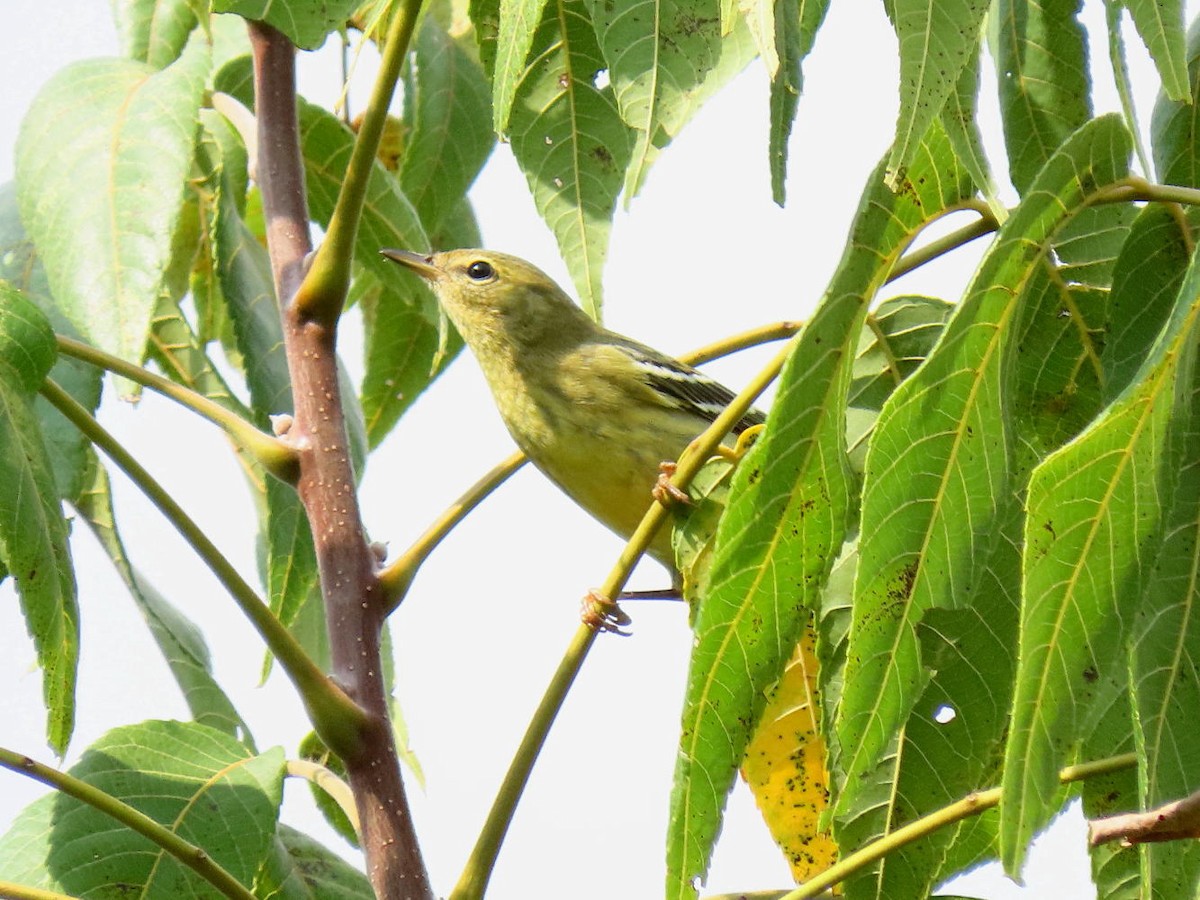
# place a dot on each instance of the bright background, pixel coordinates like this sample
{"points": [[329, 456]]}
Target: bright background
{"points": [[702, 253]]}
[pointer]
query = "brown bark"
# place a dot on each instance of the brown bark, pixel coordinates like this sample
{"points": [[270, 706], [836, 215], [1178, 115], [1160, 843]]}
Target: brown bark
{"points": [[354, 612]]}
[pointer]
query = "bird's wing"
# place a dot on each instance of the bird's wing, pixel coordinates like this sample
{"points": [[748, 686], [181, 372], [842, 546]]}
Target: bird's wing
{"points": [[684, 387]]}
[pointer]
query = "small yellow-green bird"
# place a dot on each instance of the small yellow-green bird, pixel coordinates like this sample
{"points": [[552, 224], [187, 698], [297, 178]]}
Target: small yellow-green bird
{"points": [[596, 412]]}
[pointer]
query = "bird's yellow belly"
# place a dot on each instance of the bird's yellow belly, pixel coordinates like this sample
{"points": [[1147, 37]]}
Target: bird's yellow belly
{"points": [[608, 477]]}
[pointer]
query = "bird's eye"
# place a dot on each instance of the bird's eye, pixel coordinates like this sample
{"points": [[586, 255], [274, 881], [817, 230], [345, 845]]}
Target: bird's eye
{"points": [[480, 271]]}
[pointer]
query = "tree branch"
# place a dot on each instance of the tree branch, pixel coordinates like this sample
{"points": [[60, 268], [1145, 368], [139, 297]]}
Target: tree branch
{"points": [[354, 605], [1174, 821]]}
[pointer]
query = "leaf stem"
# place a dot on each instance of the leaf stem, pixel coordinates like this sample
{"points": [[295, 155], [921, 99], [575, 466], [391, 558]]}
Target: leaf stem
{"points": [[323, 292], [397, 578], [273, 454], [943, 245], [330, 708], [474, 879], [195, 858], [970, 805], [1137, 188], [12, 891], [328, 781]]}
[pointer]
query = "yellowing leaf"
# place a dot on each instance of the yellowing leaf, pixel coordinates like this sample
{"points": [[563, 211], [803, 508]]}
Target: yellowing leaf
{"points": [[785, 766]]}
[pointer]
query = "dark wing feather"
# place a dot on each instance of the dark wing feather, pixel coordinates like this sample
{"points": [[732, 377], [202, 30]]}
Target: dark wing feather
{"points": [[689, 388]]}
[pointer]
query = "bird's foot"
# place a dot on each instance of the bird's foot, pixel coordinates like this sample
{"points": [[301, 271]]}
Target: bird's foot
{"points": [[664, 491], [600, 613]]}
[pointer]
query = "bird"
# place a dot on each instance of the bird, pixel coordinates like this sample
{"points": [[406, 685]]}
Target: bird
{"points": [[596, 412]]}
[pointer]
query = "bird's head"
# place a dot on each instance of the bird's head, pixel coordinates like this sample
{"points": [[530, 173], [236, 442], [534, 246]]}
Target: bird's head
{"points": [[496, 298]]}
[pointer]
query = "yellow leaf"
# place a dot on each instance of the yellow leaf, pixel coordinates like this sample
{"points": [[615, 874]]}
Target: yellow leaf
{"points": [[785, 766]]}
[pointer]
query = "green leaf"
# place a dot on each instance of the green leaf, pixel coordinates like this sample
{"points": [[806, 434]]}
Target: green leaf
{"points": [[1058, 365], [962, 127], [940, 466], [197, 782], [178, 352], [33, 532], [402, 353], [1146, 279], [793, 39], [938, 40], [292, 576], [1115, 867], [153, 31], [896, 337], [516, 23], [299, 868], [305, 24], [20, 267], [1088, 246], [950, 745], [1119, 60], [244, 275], [788, 513], [101, 161], [569, 140], [1175, 124], [1045, 92], [1094, 508], [1160, 23], [665, 58], [952, 742], [1165, 636], [179, 640], [405, 350], [446, 105]]}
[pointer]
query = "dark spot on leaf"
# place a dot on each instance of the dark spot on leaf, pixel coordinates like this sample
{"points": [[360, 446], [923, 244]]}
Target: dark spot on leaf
{"points": [[602, 156], [905, 580], [1090, 675]]}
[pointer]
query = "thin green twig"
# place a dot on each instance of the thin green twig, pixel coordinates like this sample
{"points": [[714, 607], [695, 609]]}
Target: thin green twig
{"points": [[11, 891], [968, 806], [986, 224], [323, 291], [195, 858], [473, 881], [275, 455], [330, 709], [397, 578]]}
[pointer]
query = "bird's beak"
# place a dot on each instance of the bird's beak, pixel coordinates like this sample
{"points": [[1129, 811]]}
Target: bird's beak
{"points": [[422, 265]]}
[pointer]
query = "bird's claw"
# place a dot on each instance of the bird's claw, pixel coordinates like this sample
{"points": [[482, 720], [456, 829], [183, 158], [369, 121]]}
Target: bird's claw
{"points": [[600, 613], [665, 491]]}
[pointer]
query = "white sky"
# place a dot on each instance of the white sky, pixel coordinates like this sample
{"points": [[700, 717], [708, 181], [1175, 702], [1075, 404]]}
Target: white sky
{"points": [[702, 253]]}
